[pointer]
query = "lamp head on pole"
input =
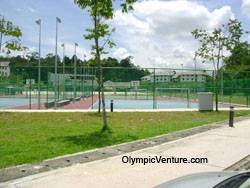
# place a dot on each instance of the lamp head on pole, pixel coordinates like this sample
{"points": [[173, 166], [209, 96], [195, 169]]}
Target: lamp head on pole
{"points": [[39, 22], [58, 20], [76, 44]]}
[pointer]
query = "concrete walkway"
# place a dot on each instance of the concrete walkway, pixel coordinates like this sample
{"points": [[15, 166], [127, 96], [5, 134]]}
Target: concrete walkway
{"points": [[222, 147]]}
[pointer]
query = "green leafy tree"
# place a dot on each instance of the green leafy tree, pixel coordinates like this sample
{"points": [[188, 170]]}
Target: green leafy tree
{"points": [[213, 46], [239, 59], [12, 34], [238, 62], [211, 50], [100, 12]]}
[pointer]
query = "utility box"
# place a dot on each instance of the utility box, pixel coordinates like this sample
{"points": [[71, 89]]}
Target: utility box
{"points": [[205, 101]]}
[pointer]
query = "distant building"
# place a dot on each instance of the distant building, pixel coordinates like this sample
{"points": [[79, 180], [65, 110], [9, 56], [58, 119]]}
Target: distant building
{"points": [[121, 85], [161, 77], [188, 76], [191, 76], [64, 78], [145, 78], [135, 84], [4, 68]]}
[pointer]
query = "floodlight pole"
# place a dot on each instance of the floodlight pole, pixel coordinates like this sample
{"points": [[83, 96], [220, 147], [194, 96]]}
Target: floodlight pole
{"points": [[84, 72], [154, 94], [75, 59], [63, 46], [55, 77], [1, 36], [39, 22]]}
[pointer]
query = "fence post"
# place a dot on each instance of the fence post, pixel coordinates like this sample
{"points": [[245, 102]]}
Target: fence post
{"points": [[47, 93], [222, 85], [111, 105], [126, 93], [147, 93], [29, 93], [83, 78], [188, 98], [92, 95], [154, 99]]}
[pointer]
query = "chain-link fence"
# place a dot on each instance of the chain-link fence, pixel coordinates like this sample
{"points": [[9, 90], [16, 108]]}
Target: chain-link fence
{"points": [[128, 87]]}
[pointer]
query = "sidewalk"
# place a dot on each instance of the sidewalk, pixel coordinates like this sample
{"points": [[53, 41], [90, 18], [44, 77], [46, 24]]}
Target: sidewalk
{"points": [[222, 147]]}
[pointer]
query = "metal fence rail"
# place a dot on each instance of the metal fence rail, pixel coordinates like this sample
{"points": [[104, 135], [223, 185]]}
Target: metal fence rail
{"points": [[130, 87]]}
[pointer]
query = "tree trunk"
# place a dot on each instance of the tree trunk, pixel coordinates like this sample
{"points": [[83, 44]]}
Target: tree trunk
{"points": [[104, 114], [101, 88]]}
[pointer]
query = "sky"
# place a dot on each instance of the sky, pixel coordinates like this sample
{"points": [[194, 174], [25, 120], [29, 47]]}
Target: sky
{"points": [[157, 33]]}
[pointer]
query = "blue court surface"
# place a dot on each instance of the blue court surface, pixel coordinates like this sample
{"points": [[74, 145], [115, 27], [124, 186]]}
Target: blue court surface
{"points": [[147, 104], [14, 102]]}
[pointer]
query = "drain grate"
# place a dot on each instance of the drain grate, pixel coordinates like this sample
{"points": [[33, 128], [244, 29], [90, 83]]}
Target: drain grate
{"points": [[150, 142]]}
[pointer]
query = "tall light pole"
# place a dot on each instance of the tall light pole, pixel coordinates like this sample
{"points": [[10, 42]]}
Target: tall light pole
{"points": [[182, 68], [84, 74], [55, 79], [1, 34], [39, 22], [63, 46], [75, 59]]}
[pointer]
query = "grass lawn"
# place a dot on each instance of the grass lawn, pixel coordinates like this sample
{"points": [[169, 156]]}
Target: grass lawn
{"points": [[31, 137], [234, 99]]}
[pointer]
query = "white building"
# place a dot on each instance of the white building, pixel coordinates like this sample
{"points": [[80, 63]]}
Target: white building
{"points": [[161, 77], [145, 78], [121, 85], [188, 76], [192, 76], [4, 68], [135, 83]]}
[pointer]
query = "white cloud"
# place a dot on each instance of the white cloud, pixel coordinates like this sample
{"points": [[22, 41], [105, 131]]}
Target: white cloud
{"points": [[121, 53], [31, 9], [81, 52], [246, 7], [158, 33]]}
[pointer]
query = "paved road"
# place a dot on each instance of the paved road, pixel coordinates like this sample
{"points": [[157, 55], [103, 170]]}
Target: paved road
{"points": [[223, 147]]}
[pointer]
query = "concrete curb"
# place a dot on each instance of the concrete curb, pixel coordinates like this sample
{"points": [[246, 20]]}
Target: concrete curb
{"points": [[242, 165], [118, 110]]}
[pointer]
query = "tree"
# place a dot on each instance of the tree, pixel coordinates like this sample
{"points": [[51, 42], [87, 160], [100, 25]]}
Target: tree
{"points": [[100, 12], [213, 45], [126, 62], [211, 49], [239, 58], [13, 33]]}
